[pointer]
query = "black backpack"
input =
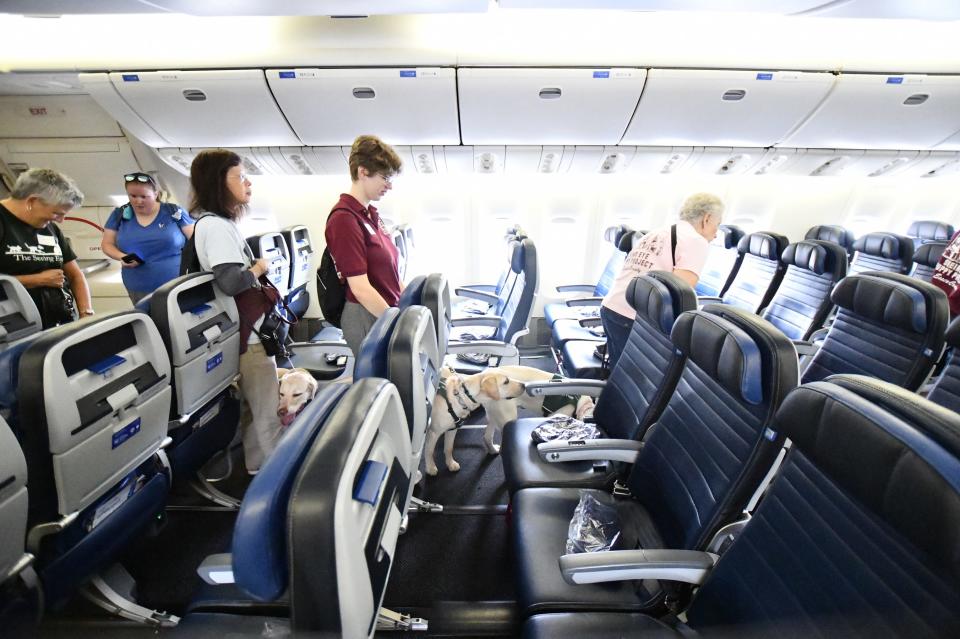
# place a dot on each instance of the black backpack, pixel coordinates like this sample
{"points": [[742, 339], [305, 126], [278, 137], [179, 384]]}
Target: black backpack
{"points": [[189, 260], [331, 291]]}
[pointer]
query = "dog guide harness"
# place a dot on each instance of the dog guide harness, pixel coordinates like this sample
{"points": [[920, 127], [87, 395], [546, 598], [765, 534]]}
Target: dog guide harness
{"points": [[465, 401]]}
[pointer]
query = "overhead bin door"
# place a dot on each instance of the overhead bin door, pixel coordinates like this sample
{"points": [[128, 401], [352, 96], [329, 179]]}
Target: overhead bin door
{"points": [[403, 106], [884, 112], [547, 106], [206, 108], [724, 108]]}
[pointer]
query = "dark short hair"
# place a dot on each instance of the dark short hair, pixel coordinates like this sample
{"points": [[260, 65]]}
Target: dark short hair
{"points": [[374, 155], [208, 183]]}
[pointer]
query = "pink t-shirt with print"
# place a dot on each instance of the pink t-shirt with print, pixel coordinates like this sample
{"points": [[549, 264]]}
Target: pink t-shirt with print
{"points": [[653, 254]]}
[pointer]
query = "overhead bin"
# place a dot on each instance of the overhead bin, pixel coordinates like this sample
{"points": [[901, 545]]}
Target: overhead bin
{"points": [[205, 108], [769, 6], [547, 106], [884, 112], [950, 144], [106, 95], [401, 106], [724, 108]]}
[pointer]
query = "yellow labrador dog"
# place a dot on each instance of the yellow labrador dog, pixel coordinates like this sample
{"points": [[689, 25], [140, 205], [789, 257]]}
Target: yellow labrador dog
{"points": [[297, 389], [500, 391]]}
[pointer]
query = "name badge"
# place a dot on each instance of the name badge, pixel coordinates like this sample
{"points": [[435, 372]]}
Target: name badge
{"points": [[47, 240], [369, 229]]}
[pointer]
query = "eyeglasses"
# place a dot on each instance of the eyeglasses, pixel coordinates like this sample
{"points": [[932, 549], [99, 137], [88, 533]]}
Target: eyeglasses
{"points": [[139, 177], [387, 178], [241, 176]]}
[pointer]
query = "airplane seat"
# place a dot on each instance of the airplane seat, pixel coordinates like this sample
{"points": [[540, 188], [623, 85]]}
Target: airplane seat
{"points": [[888, 326], [577, 308], [832, 233], [92, 428], [435, 297], [759, 274], [628, 403], [924, 231], [802, 301], [695, 472], [834, 549], [19, 317], [946, 390], [19, 602], [722, 263], [273, 247], [400, 241], [926, 258], [514, 308], [882, 252], [480, 299], [300, 249], [200, 328]]}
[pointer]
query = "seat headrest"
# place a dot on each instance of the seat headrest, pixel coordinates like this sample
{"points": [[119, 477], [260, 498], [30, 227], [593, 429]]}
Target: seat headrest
{"points": [[660, 297], [412, 292], [725, 351], [929, 254], [372, 358], [728, 236], [930, 230], [953, 333], [523, 253], [889, 246], [892, 299], [516, 257], [815, 255], [769, 246], [830, 233], [625, 242], [884, 426]]}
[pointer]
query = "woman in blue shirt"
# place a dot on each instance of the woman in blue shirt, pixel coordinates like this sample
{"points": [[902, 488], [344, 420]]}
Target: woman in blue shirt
{"points": [[147, 236]]}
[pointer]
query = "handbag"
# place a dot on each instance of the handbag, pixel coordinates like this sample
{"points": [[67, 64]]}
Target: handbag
{"points": [[263, 301]]}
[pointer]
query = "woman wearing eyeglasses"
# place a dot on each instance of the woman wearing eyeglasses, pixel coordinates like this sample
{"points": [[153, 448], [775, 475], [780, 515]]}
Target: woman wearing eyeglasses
{"points": [[146, 235], [359, 243]]}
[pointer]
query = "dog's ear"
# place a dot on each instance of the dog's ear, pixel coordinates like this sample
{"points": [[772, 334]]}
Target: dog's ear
{"points": [[312, 387], [281, 372], [490, 384]]}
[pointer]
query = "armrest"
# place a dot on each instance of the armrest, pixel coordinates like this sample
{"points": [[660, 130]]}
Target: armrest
{"points": [[584, 301], [708, 299], [805, 348], [577, 288], [483, 288], [819, 335], [589, 322], [483, 296], [334, 348], [592, 387], [688, 566], [476, 320], [217, 569], [485, 346], [623, 450]]}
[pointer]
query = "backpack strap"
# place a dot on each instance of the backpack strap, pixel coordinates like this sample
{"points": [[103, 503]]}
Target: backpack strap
{"points": [[673, 244]]}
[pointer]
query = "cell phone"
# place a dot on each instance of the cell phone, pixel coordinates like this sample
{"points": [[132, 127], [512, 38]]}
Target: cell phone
{"points": [[132, 258]]}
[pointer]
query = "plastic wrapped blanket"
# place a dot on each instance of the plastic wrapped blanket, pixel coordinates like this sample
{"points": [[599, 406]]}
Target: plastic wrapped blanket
{"points": [[595, 526], [562, 428]]}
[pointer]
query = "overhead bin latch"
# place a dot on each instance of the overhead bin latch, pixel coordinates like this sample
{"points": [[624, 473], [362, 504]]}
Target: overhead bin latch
{"points": [[550, 93], [194, 95], [364, 93], [734, 94]]}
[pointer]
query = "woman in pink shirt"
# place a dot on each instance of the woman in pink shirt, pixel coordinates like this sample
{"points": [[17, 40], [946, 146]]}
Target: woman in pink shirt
{"points": [[700, 216]]}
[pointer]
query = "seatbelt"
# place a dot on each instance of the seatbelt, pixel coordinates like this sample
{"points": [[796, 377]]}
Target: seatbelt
{"points": [[673, 244]]}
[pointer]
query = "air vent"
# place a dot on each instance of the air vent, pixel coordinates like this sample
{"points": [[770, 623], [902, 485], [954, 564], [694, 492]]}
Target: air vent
{"points": [[671, 163], [889, 166], [734, 94], [771, 164], [549, 162], [424, 163], [831, 166], [250, 168], [487, 163], [940, 169], [194, 95], [300, 164], [731, 162], [611, 163], [551, 93], [364, 93], [916, 98]]}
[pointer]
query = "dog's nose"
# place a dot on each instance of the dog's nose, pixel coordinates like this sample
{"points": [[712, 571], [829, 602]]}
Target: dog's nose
{"points": [[281, 411]]}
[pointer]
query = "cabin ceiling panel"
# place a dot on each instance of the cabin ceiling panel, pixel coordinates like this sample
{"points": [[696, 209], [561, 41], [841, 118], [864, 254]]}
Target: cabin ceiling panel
{"points": [[724, 108], [206, 108], [246, 7], [884, 112], [950, 144], [547, 106], [40, 84], [766, 6], [54, 116], [400, 105]]}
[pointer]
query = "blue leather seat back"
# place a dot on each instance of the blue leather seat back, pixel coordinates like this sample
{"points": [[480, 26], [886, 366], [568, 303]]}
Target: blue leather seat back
{"points": [[831, 233], [759, 273], [518, 304], [436, 297], [614, 264], [923, 231], [372, 358], [19, 316], [882, 252], [857, 535], [13, 502], [259, 547], [412, 292], [273, 248], [345, 513], [711, 447], [802, 301], [648, 370], [300, 250], [888, 326], [925, 259], [723, 260], [946, 391]]}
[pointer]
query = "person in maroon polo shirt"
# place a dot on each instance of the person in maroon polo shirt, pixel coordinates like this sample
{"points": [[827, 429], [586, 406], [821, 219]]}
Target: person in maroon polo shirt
{"points": [[358, 241]]}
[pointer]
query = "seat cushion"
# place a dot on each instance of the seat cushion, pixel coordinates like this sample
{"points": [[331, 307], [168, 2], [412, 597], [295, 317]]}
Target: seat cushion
{"points": [[580, 361], [596, 625], [541, 517], [565, 330], [523, 467]]}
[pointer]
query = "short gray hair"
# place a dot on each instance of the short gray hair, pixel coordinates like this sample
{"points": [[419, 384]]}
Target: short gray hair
{"points": [[700, 204], [48, 185]]}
